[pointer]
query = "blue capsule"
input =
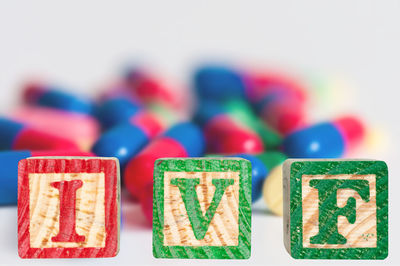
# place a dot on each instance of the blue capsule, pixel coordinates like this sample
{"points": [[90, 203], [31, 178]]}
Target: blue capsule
{"points": [[10, 130], [219, 83], [53, 97], [9, 175], [207, 110], [116, 111], [122, 141], [322, 140], [189, 136], [9, 170], [65, 101], [258, 174]]}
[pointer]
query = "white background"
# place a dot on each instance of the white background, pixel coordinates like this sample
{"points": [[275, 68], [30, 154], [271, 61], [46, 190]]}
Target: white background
{"points": [[82, 44]]}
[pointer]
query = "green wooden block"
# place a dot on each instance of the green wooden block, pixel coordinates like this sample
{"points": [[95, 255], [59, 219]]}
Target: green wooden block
{"points": [[335, 209], [202, 208]]}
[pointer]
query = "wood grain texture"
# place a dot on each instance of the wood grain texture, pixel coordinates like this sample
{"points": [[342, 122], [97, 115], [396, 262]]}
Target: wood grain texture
{"points": [[361, 233], [44, 209], [223, 229], [42, 181], [336, 209], [202, 208]]}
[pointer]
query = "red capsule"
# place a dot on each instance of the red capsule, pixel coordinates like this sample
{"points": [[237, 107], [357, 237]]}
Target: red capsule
{"points": [[263, 84], [18, 136], [224, 135], [139, 171], [37, 140], [150, 89], [284, 115], [279, 99]]}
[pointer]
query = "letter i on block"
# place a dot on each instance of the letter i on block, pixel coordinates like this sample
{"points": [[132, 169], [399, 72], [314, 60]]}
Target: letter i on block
{"points": [[202, 208], [335, 209], [68, 207]]}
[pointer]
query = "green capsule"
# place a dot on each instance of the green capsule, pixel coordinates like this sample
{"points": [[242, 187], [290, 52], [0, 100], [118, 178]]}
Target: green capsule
{"points": [[271, 158], [240, 110]]}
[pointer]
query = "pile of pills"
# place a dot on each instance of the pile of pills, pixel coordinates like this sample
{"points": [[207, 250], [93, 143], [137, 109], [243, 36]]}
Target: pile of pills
{"points": [[261, 117]]}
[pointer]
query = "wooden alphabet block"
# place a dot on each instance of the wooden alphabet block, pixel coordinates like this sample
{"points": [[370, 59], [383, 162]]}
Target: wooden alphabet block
{"points": [[202, 208], [335, 209], [68, 207]]}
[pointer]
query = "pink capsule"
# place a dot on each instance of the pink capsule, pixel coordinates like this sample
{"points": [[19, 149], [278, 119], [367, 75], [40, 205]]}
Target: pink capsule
{"points": [[353, 131], [18, 136], [79, 128], [150, 122]]}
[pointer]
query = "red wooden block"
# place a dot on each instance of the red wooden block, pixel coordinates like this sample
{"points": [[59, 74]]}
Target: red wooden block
{"points": [[68, 207]]}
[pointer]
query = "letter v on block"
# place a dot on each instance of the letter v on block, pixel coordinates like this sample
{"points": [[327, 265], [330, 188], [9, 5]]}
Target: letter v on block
{"points": [[202, 208], [187, 187]]}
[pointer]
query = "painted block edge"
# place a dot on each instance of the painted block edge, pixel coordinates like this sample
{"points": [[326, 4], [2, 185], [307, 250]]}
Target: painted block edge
{"points": [[22, 164], [287, 166], [156, 176]]}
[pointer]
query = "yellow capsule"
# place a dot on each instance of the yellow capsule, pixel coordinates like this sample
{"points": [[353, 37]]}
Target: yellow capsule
{"points": [[272, 191]]}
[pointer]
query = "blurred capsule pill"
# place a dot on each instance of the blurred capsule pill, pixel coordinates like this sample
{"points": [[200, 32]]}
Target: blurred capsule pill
{"points": [[9, 173], [122, 141], [284, 114], [242, 111], [271, 158], [151, 89], [217, 82], [279, 100], [353, 131], [272, 191], [51, 96], [223, 134], [127, 139], [152, 123], [325, 140], [18, 136], [258, 174], [181, 140], [82, 129], [262, 84], [116, 111]]}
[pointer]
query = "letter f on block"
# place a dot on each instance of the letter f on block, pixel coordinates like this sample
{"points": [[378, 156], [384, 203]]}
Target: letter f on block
{"points": [[329, 210], [187, 187], [67, 192]]}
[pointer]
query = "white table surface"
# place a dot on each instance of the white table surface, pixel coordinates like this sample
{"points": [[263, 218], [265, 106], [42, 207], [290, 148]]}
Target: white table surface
{"points": [[82, 44]]}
